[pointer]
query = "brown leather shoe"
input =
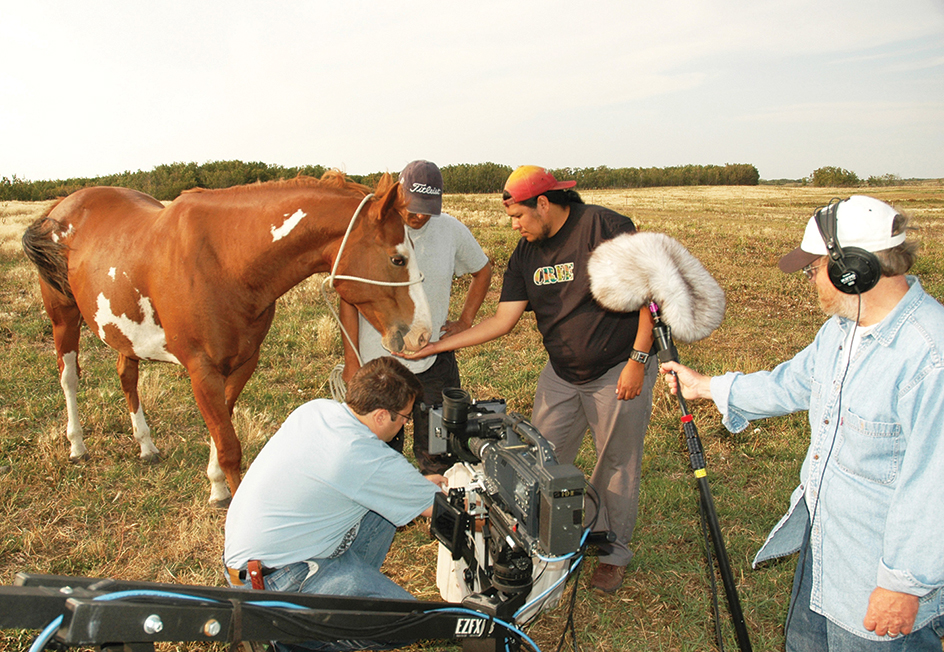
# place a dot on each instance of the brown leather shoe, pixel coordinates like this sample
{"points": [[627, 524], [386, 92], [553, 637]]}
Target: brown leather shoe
{"points": [[607, 577]]}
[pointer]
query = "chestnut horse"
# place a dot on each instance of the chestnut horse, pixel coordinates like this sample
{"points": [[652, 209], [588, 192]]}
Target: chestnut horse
{"points": [[196, 283]]}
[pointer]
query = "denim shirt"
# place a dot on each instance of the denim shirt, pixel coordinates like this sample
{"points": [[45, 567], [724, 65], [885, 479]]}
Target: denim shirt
{"points": [[873, 476]]}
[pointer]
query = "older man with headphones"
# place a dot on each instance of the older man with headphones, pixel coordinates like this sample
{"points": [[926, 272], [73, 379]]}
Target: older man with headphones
{"points": [[866, 517]]}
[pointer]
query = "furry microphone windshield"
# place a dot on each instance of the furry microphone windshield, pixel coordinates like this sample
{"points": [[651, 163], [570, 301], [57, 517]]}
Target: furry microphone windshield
{"points": [[634, 269]]}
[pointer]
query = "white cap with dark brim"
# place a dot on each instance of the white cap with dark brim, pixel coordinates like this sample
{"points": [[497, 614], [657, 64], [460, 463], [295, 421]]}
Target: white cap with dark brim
{"points": [[863, 222]]}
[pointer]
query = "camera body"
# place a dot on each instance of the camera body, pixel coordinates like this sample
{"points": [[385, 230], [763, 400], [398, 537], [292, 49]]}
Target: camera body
{"points": [[539, 500], [518, 503]]}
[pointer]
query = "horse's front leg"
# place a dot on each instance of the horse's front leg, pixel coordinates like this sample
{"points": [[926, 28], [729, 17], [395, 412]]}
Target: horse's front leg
{"points": [[225, 450], [128, 373]]}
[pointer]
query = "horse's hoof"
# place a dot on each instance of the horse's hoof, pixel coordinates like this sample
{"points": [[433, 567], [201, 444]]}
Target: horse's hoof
{"points": [[151, 458], [84, 457], [221, 504]]}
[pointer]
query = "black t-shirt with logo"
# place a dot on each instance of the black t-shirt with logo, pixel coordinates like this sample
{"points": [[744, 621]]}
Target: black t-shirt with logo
{"points": [[583, 340]]}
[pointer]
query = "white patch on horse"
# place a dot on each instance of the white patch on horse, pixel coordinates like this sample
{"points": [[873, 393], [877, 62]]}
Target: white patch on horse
{"points": [[279, 232], [147, 338], [55, 237], [69, 381], [142, 433], [422, 318], [111, 272], [219, 490]]}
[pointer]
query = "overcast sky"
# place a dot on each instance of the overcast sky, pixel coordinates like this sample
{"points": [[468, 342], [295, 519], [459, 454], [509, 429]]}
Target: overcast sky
{"points": [[92, 88]]}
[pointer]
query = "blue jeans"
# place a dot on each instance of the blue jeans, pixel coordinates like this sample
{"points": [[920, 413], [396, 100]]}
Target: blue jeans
{"points": [[808, 631], [356, 572]]}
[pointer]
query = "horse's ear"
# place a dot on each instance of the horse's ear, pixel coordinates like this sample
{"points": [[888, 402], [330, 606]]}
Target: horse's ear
{"points": [[389, 196]]}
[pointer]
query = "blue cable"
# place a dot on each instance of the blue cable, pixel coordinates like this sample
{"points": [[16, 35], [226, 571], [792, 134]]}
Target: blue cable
{"points": [[40, 643], [274, 603], [47, 634], [583, 540], [166, 594], [566, 576], [44, 637], [550, 589], [118, 595], [479, 614], [551, 560]]}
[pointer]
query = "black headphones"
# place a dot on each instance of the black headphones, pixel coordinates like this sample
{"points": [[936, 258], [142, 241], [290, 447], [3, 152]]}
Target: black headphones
{"points": [[852, 270]]}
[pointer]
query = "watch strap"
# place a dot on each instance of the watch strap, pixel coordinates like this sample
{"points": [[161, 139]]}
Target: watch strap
{"points": [[639, 356]]}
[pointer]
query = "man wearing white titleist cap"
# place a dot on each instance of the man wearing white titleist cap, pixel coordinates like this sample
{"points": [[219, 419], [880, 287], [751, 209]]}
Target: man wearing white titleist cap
{"points": [[600, 374], [445, 249], [865, 518]]}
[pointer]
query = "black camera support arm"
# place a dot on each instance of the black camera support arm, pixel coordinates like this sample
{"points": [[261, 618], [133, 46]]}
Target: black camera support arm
{"points": [[132, 616]]}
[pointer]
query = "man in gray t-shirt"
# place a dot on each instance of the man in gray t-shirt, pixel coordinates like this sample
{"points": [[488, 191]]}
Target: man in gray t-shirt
{"points": [[445, 249]]}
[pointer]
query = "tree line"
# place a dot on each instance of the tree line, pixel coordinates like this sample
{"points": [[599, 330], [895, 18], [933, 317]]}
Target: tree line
{"points": [[165, 182], [490, 177]]}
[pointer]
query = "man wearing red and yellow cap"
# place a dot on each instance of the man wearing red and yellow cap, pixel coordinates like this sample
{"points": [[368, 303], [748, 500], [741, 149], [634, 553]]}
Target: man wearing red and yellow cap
{"points": [[600, 374]]}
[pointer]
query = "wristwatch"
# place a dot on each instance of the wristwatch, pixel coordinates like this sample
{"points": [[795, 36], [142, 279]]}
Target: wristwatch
{"points": [[639, 356]]}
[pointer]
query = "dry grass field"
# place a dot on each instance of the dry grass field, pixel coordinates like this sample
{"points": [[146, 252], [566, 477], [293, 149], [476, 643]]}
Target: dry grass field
{"points": [[112, 516]]}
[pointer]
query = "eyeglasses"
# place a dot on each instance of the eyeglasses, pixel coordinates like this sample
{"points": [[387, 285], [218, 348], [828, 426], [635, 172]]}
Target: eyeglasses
{"points": [[406, 417], [810, 270]]}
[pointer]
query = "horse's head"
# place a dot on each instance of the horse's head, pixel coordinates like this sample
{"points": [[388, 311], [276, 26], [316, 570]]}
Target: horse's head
{"points": [[378, 249]]}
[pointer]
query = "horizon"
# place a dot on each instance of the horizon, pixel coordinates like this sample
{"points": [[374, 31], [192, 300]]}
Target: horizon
{"points": [[762, 179]]}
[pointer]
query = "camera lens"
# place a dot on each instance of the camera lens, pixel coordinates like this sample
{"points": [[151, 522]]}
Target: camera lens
{"points": [[455, 410]]}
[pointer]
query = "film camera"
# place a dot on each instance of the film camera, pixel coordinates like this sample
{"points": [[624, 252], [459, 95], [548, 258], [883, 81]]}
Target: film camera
{"points": [[518, 503]]}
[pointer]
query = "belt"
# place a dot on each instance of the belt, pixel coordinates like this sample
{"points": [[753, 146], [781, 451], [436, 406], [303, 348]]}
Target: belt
{"points": [[254, 572]]}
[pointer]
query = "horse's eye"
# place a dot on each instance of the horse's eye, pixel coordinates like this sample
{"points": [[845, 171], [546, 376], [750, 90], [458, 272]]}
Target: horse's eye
{"points": [[399, 261]]}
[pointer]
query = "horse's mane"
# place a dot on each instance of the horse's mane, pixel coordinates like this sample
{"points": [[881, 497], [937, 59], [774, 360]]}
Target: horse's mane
{"points": [[334, 178]]}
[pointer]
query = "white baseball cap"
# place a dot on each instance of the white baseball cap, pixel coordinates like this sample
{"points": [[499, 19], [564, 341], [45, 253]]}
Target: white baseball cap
{"points": [[863, 222]]}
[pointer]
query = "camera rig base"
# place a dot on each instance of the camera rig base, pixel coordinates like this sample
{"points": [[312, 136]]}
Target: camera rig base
{"points": [[132, 616]]}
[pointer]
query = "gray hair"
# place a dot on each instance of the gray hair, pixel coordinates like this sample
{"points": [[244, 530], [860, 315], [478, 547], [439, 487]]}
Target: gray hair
{"points": [[899, 259]]}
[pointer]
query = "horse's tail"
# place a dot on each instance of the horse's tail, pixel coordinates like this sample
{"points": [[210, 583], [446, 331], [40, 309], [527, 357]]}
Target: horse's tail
{"points": [[48, 254]]}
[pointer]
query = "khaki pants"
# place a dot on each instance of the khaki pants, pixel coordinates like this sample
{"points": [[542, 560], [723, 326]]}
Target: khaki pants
{"points": [[564, 411]]}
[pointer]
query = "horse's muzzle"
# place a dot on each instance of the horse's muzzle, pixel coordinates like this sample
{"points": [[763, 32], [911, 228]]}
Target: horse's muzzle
{"points": [[403, 338]]}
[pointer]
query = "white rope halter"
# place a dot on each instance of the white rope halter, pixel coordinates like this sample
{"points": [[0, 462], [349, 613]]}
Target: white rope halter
{"points": [[337, 384]]}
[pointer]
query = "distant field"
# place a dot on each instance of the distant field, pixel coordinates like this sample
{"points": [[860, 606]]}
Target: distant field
{"points": [[113, 516]]}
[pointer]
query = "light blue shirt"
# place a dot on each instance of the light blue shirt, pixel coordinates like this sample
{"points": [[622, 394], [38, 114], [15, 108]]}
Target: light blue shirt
{"points": [[874, 472], [312, 483]]}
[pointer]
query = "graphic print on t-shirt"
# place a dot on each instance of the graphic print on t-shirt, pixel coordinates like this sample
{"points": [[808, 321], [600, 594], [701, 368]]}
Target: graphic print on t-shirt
{"points": [[560, 273]]}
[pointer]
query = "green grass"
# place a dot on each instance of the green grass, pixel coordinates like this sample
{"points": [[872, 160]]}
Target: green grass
{"points": [[113, 516]]}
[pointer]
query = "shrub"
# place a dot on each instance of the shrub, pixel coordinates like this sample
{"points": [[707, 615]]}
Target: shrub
{"points": [[884, 180], [834, 177]]}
